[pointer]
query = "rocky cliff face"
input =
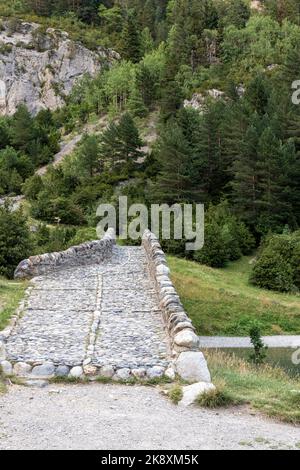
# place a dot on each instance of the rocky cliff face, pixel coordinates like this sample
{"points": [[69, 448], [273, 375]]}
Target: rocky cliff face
{"points": [[39, 68]]}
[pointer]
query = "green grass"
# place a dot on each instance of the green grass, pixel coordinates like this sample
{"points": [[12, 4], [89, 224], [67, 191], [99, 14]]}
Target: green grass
{"points": [[175, 394], [11, 292], [218, 398], [266, 389], [222, 302]]}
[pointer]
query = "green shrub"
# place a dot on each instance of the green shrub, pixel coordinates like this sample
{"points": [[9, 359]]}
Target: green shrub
{"points": [[277, 267], [214, 253], [225, 238], [175, 394]]}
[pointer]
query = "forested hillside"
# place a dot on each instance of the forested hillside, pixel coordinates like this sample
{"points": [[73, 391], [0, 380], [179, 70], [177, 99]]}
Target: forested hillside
{"points": [[212, 77]]}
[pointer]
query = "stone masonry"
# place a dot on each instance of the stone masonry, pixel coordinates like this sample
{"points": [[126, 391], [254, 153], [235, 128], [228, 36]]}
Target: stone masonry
{"points": [[102, 310]]}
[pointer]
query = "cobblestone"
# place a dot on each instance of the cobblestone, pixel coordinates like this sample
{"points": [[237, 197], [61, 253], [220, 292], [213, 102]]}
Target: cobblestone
{"points": [[106, 315]]}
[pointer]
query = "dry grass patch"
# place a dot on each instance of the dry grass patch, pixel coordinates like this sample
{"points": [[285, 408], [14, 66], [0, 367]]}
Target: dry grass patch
{"points": [[267, 389]]}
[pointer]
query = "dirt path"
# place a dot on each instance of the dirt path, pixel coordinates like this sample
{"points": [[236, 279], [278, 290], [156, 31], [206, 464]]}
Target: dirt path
{"points": [[69, 143], [119, 417]]}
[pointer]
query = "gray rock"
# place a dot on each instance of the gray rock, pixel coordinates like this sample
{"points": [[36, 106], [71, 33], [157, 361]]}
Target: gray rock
{"points": [[155, 372], [192, 367], [170, 373], [192, 392], [107, 372], [162, 270], [21, 369], [6, 367], [62, 371], [186, 338], [139, 373], [76, 372], [34, 65], [45, 370]]}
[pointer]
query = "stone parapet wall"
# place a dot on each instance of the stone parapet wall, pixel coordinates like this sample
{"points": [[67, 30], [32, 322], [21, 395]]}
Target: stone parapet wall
{"points": [[189, 362], [87, 253]]}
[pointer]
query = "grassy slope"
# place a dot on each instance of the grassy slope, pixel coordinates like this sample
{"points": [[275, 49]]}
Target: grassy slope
{"points": [[11, 293], [266, 388], [221, 301]]}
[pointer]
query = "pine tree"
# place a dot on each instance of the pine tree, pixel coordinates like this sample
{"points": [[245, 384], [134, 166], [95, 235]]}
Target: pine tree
{"points": [[22, 129], [271, 180], [130, 46], [171, 95], [120, 143], [88, 155], [245, 190]]}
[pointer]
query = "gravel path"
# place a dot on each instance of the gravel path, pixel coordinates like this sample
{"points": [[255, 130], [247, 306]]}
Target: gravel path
{"points": [[243, 342], [120, 417]]}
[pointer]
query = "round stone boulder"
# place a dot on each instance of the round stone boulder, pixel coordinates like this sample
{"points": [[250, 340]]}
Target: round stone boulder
{"points": [[123, 374], [107, 372], [6, 367], [76, 372], [170, 373], [192, 367], [192, 392], [21, 369], [155, 372], [139, 373], [45, 370], [62, 371], [187, 339]]}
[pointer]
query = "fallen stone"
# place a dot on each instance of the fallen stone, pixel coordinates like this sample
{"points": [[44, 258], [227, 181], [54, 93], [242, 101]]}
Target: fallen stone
{"points": [[45, 370], [21, 369], [192, 367], [192, 392], [6, 367], [76, 372]]}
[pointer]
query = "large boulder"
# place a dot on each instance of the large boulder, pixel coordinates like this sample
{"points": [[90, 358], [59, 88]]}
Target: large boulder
{"points": [[192, 367]]}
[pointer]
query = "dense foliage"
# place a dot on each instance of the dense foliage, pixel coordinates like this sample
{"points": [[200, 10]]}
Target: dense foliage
{"points": [[15, 240], [26, 143], [278, 266], [238, 152]]}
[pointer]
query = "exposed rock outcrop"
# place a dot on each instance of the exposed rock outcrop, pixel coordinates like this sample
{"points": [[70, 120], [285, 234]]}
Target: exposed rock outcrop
{"points": [[39, 68]]}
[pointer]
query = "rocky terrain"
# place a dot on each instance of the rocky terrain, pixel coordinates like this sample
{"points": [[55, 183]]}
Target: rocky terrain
{"points": [[39, 67]]}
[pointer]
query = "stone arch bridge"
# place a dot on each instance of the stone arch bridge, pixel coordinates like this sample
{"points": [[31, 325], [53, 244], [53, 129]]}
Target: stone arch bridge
{"points": [[99, 309]]}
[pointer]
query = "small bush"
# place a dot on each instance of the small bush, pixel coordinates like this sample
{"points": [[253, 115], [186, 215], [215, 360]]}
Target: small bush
{"points": [[260, 350], [217, 398], [175, 394], [225, 238]]}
